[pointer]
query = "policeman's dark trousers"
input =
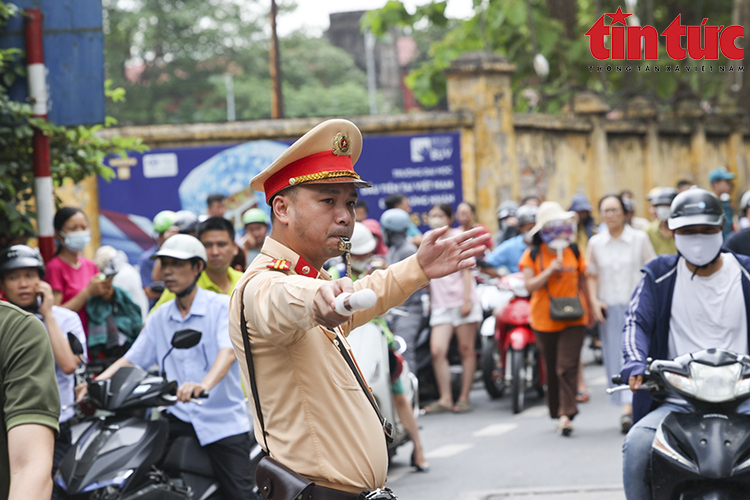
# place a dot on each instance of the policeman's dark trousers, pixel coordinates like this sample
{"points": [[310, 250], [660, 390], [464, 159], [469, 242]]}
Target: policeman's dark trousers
{"points": [[561, 352], [230, 458]]}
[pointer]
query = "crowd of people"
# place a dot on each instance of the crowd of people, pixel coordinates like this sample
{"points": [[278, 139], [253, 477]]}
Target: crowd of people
{"points": [[581, 275]]}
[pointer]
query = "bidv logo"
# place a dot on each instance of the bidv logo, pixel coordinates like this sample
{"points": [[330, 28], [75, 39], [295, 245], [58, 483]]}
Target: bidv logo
{"points": [[642, 42], [431, 148]]}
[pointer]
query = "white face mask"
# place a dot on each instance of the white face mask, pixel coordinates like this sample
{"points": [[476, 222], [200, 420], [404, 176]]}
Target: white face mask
{"points": [[360, 266], [662, 212], [435, 222], [699, 249], [77, 241]]}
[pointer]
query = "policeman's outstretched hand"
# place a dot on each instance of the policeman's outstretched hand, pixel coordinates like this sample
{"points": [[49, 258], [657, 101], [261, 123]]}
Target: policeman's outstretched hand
{"points": [[324, 308], [189, 390], [443, 256]]}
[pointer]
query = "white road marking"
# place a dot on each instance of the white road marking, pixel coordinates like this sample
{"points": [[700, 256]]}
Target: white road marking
{"points": [[534, 412], [494, 430], [448, 450]]}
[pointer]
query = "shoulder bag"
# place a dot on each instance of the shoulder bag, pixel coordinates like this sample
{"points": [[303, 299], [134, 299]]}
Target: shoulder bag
{"points": [[563, 308]]}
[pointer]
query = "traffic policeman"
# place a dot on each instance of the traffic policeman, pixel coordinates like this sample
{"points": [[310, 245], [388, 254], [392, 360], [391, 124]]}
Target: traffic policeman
{"points": [[220, 424], [318, 421]]}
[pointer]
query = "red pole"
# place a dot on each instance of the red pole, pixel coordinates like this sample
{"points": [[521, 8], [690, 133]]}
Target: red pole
{"points": [[37, 81]]}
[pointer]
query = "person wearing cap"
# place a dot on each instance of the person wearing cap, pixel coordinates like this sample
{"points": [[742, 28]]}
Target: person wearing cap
{"points": [[658, 230], [554, 268], [220, 423], [739, 242], [509, 253], [318, 421], [256, 225], [697, 299], [163, 228], [21, 279], [217, 236], [585, 222], [722, 183], [506, 222]]}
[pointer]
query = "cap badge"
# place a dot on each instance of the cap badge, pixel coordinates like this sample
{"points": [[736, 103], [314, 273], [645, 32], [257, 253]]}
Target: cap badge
{"points": [[341, 145]]}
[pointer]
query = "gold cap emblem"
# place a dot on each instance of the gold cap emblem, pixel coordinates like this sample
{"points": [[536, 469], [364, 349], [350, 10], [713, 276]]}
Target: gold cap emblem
{"points": [[341, 145]]}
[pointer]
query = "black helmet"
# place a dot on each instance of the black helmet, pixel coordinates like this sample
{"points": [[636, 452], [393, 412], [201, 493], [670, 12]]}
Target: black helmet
{"points": [[507, 209], [21, 257], [664, 196], [695, 207], [526, 214]]}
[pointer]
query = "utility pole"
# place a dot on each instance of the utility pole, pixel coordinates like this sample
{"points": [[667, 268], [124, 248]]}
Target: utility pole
{"points": [[372, 85], [229, 83], [277, 100]]}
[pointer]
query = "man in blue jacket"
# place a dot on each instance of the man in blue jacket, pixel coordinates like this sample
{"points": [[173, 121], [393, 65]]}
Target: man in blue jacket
{"points": [[695, 300]]}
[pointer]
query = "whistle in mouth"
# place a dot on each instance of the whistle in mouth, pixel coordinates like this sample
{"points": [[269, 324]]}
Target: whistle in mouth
{"points": [[344, 244]]}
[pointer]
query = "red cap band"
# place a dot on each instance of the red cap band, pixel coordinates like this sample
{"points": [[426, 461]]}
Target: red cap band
{"points": [[316, 163]]}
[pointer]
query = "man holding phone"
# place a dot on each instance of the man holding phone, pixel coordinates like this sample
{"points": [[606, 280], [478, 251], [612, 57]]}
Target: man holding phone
{"points": [[21, 279]]}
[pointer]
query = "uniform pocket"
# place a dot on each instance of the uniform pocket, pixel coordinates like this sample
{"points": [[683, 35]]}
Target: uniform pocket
{"points": [[340, 371]]}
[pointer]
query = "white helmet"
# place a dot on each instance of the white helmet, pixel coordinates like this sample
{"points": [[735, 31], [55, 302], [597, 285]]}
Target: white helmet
{"points": [[745, 202], [363, 242], [183, 247]]}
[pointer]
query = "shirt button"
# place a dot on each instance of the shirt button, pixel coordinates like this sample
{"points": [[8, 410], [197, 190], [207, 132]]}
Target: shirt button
{"points": [[306, 270]]}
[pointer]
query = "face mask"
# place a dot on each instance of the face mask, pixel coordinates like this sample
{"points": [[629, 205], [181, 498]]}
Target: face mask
{"points": [[699, 249], [662, 212], [360, 266], [77, 240], [435, 222], [558, 234]]}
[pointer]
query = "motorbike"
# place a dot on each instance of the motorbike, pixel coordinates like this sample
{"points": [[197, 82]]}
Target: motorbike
{"points": [[119, 453], [705, 453], [510, 358], [370, 349]]}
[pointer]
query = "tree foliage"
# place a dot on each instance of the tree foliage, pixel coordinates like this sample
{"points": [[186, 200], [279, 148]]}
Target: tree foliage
{"points": [[75, 152], [172, 58], [518, 29]]}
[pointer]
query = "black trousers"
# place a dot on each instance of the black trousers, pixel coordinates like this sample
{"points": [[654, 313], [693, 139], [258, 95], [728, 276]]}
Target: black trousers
{"points": [[230, 458]]}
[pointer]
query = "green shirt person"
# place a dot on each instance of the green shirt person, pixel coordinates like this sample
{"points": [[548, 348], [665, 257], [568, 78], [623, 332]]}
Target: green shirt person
{"points": [[29, 406], [217, 235]]}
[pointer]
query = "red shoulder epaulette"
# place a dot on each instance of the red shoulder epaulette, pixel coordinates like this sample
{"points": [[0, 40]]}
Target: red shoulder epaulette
{"points": [[280, 265]]}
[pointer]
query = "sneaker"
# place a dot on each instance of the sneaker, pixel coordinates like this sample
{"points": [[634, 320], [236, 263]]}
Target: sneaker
{"points": [[626, 422], [564, 426]]}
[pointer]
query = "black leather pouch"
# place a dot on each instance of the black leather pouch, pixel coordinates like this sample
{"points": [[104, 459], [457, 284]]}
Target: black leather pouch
{"points": [[277, 482]]}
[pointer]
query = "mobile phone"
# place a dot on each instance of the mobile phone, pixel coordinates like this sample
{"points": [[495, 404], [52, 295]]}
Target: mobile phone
{"points": [[604, 313]]}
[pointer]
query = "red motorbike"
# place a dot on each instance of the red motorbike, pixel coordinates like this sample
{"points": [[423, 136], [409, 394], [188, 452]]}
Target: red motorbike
{"points": [[510, 357]]}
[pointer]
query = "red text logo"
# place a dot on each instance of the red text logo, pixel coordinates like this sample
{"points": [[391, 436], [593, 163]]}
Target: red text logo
{"points": [[642, 42]]}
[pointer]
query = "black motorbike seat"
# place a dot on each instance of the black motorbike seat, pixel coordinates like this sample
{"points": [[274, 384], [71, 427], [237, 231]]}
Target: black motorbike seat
{"points": [[187, 455]]}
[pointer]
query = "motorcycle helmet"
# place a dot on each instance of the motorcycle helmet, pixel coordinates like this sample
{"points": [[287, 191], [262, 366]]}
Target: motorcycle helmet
{"points": [[664, 196], [395, 220], [255, 215], [186, 221], [694, 207], [363, 242], [163, 221], [21, 257], [507, 209], [183, 247], [526, 214], [745, 202]]}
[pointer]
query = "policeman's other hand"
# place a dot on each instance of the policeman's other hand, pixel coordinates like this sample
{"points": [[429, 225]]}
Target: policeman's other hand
{"points": [[324, 309], [635, 383], [189, 390], [443, 256], [81, 391], [44, 290]]}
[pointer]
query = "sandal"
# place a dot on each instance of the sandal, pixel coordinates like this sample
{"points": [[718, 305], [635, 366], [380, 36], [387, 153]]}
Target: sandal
{"points": [[583, 396], [436, 408], [564, 426], [425, 467], [462, 407]]}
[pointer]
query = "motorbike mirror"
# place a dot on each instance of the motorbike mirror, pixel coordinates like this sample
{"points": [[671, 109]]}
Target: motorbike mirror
{"points": [[75, 344], [185, 339]]}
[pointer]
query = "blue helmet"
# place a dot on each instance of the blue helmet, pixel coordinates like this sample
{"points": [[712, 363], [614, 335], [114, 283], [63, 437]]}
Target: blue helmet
{"points": [[395, 219]]}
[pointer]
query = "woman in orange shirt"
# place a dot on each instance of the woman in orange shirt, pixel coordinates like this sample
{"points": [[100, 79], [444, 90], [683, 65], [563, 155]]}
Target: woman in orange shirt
{"points": [[553, 270]]}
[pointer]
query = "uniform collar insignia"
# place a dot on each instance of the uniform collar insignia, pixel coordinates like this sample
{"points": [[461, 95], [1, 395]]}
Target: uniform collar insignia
{"points": [[304, 268], [280, 265]]}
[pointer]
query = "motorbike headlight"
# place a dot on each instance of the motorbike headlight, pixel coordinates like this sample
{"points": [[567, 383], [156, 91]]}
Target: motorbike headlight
{"points": [[715, 384], [680, 382]]}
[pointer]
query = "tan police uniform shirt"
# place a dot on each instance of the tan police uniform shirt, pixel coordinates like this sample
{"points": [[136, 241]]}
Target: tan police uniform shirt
{"points": [[318, 420]]}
